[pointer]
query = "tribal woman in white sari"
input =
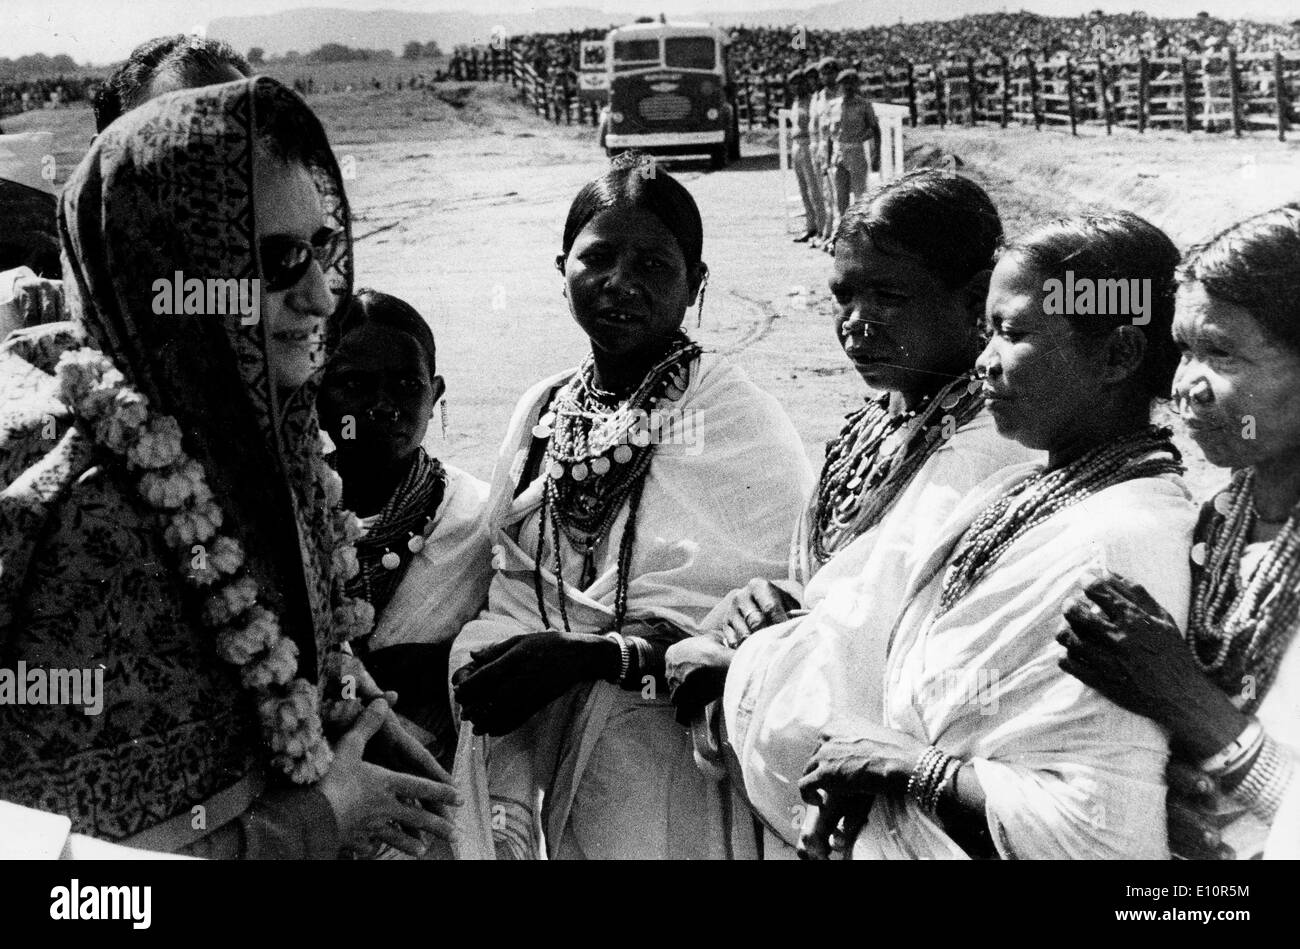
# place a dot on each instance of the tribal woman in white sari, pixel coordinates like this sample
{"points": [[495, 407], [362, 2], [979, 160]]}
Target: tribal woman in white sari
{"points": [[980, 744], [912, 266], [629, 496], [1230, 702]]}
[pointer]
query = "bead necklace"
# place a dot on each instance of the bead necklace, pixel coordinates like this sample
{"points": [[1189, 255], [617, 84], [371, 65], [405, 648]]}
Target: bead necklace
{"points": [[396, 534], [1145, 454], [598, 452], [1239, 629], [874, 459]]}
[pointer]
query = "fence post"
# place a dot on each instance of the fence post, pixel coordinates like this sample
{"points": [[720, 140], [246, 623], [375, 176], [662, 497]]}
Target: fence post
{"points": [[972, 89], [1035, 105], [1006, 90], [1279, 95], [1103, 89], [911, 92], [749, 105], [1234, 92], [1069, 96], [1188, 109], [1144, 91], [940, 88]]}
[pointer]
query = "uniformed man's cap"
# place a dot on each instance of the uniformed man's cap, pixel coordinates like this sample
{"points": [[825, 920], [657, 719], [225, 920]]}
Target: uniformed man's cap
{"points": [[828, 62], [847, 75]]}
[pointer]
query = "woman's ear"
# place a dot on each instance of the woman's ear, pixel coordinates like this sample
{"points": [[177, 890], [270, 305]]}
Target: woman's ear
{"points": [[698, 277], [559, 263], [439, 388]]}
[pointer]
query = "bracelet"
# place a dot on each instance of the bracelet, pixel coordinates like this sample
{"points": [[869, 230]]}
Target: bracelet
{"points": [[947, 786], [931, 773], [1265, 781], [625, 656], [640, 650], [1237, 753]]}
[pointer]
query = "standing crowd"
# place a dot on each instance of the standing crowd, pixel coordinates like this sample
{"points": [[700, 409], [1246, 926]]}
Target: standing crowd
{"points": [[995, 625]]}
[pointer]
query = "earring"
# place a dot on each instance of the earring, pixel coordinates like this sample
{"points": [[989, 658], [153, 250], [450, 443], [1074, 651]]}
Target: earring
{"points": [[443, 408], [699, 313]]}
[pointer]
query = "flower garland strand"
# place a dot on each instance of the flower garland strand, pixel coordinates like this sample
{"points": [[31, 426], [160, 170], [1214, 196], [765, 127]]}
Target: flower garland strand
{"points": [[247, 634]]}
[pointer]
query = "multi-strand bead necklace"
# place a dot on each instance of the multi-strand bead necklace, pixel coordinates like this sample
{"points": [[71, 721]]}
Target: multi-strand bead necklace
{"points": [[396, 534], [1145, 454], [1240, 629], [875, 457], [598, 451]]}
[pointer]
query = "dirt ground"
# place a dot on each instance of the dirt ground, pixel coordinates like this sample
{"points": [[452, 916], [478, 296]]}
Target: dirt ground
{"points": [[460, 200]]}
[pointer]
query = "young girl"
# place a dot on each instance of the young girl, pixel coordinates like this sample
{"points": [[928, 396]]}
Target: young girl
{"points": [[424, 557]]}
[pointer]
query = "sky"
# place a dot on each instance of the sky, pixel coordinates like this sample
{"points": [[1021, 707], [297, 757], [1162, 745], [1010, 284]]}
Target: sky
{"points": [[100, 31]]}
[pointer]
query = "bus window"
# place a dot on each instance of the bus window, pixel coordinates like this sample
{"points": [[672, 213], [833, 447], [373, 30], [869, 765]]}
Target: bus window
{"points": [[627, 52], [690, 52]]}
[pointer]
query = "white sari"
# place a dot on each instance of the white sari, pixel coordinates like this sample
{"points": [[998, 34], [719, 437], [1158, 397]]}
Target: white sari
{"points": [[788, 681], [1066, 772], [613, 771]]}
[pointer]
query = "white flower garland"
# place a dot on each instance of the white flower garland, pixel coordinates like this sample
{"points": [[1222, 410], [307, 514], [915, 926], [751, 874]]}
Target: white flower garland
{"points": [[247, 633]]}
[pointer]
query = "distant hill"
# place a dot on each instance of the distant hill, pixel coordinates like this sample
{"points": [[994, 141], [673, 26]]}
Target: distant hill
{"points": [[306, 29]]}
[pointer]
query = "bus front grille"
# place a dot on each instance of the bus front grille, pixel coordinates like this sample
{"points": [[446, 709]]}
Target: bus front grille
{"points": [[664, 108]]}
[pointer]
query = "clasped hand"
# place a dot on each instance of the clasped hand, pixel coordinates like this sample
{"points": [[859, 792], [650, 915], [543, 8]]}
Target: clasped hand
{"points": [[856, 761], [506, 683]]}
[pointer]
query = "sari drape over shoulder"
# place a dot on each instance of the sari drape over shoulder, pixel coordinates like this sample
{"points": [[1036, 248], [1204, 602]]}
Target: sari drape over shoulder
{"points": [[615, 770], [788, 681], [1066, 772]]}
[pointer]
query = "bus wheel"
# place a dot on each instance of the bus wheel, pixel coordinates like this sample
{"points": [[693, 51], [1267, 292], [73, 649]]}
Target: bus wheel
{"points": [[733, 148], [718, 158], [611, 153]]}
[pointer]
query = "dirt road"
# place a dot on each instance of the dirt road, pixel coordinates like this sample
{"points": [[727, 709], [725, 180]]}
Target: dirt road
{"points": [[460, 200]]}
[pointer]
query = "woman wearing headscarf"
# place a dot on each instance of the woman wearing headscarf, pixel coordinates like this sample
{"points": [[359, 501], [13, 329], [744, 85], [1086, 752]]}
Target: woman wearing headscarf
{"points": [[630, 494], [166, 517]]}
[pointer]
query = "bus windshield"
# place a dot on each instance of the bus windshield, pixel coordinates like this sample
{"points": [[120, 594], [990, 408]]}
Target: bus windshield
{"points": [[635, 51], [690, 52]]}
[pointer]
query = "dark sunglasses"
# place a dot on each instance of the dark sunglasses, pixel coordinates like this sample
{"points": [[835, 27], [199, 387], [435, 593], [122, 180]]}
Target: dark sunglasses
{"points": [[285, 259]]}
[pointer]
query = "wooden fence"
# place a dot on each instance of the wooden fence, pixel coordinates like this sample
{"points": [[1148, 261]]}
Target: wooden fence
{"points": [[1223, 92]]}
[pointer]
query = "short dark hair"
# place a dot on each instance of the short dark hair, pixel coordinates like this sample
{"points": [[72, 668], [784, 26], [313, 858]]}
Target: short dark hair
{"points": [[196, 58], [946, 221], [382, 309], [1115, 245], [632, 181], [1255, 264]]}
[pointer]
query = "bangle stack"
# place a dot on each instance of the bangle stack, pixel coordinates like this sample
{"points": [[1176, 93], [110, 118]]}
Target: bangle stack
{"points": [[934, 771], [625, 657], [1265, 781]]}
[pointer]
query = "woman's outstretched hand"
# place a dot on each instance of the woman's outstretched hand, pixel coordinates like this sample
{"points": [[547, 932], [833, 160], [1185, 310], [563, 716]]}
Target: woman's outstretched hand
{"points": [[1125, 645], [372, 803], [508, 682]]}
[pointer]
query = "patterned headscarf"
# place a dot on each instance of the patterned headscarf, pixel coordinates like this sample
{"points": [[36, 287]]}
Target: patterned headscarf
{"points": [[170, 187]]}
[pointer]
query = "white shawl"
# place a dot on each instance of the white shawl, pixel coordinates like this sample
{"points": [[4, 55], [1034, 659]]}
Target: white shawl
{"points": [[616, 770], [786, 682]]}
